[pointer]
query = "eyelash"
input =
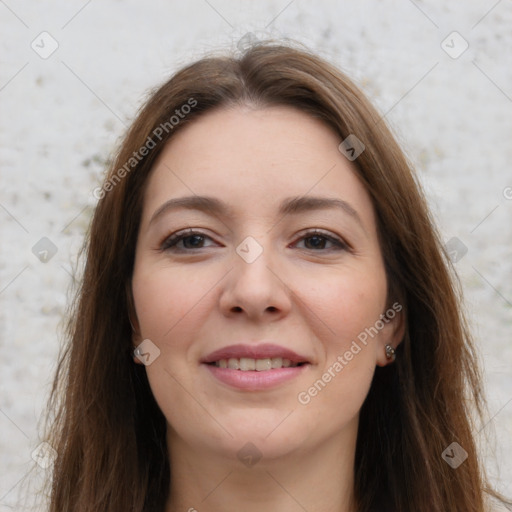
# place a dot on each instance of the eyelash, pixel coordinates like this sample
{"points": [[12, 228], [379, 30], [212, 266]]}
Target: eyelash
{"points": [[170, 242]]}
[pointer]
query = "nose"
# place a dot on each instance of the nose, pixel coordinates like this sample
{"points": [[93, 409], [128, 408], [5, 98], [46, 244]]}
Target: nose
{"points": [[255, 288]]}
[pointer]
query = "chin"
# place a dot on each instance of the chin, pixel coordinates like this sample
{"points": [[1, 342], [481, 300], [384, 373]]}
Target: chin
{"points": [[255, 447], [274, 433]]}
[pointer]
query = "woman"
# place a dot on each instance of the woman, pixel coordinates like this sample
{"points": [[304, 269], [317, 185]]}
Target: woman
{"points": [[267, 320]]}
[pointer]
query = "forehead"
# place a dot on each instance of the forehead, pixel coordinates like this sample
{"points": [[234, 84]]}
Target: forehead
{"points": [[251, 158]]}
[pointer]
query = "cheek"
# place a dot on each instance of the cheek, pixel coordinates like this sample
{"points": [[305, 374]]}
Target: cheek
{"points": [[169, 308], [347, 304], [165, 299], [334, 398]]}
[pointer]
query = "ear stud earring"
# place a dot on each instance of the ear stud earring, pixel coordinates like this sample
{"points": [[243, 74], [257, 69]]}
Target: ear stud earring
{"points": [[390, 352]]}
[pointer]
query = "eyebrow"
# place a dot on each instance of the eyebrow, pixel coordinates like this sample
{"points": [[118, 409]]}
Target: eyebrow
{"points": [[289, 206]]}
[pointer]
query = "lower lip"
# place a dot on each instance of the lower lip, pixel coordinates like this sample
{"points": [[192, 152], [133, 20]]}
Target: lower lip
{"points": [[253, 380]]}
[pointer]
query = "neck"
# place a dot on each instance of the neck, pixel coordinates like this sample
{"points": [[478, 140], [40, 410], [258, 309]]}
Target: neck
{"points": [[318, 480]]}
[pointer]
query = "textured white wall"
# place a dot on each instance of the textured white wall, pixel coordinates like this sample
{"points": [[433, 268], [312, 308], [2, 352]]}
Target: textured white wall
{"points": [[61, 116]]}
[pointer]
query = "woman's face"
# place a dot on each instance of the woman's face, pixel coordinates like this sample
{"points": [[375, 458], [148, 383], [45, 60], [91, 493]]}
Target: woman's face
{"points": [[262, 305]]}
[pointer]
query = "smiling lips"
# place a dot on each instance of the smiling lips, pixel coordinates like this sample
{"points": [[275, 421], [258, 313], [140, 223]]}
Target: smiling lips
{"points": [[255, 367]]}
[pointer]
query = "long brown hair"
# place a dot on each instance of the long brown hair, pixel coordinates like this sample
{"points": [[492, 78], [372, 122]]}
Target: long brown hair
{"points": [[106, 427]]}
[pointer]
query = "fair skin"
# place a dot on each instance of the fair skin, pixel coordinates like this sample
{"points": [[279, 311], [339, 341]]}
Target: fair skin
{"points": [[304, 293]]}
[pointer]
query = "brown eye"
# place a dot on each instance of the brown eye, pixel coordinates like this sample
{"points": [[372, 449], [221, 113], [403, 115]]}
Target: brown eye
{"points": [[317, 240], [185, 241]]}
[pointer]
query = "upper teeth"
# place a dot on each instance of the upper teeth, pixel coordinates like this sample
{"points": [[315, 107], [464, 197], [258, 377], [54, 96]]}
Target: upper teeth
{"points": [[260, 365]]}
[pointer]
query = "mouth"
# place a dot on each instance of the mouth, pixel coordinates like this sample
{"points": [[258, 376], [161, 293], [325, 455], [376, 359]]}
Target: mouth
{"points": [[246, 364], [255, 367]]}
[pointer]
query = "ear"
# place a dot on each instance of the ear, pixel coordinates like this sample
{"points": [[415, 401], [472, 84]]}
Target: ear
{"points": [[392, 333], [132, 318]]}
